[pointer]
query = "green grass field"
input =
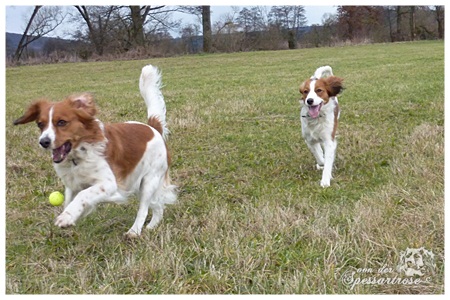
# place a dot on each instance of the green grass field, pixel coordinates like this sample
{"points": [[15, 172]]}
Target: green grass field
{"points": [[251, 216]]}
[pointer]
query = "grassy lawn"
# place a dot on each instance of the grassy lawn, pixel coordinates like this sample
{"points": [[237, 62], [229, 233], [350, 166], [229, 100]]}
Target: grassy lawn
{"points": [[251, 216]]}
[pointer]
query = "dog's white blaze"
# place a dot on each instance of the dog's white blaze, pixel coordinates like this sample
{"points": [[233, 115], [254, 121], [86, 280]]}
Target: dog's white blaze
{"points": [[50, 131], [312, 94]]}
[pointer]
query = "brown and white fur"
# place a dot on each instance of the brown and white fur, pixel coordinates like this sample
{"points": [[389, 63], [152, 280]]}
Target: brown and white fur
{"points": [[100, 162], [319, 117]]}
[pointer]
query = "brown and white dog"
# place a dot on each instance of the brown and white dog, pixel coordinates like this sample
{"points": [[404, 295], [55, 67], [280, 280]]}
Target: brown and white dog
{"points": [[107, 162], [319, 117]]}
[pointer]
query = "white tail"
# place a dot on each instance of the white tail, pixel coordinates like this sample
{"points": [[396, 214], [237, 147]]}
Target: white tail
{"points": [[324, 71], [150, 87]]}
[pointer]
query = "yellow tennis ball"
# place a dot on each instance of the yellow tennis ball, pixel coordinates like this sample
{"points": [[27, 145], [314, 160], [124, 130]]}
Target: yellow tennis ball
{"points": [[56, 198]]}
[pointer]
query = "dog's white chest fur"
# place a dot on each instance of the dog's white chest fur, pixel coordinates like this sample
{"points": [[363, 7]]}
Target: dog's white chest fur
{"points": [[85, 167], [316, 130]]}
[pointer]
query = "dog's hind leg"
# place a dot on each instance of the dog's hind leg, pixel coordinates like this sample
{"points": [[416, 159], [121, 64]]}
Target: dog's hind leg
{"points": [[166, 194], [149, 186]]}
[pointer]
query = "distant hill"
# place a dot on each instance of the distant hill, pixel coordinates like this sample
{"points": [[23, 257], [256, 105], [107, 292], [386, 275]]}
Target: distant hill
{"points": [[46, 45], [13, 39]]}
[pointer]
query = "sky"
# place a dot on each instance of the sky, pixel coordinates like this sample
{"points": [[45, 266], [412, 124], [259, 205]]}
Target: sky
{"points": [[16, 16]]}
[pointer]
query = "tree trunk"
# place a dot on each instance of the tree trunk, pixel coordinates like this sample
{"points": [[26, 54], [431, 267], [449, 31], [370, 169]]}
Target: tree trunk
{"points": [[93, 36], [137, 23], [207, 34], [389, 20], [412, 22], [22, 43], [292, 39], [399, 23], [440, 21]]}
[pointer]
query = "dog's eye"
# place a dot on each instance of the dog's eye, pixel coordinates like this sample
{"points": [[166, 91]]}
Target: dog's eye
{"points": [[305, 92], [41, 125], [319, 91], [61, 123]]}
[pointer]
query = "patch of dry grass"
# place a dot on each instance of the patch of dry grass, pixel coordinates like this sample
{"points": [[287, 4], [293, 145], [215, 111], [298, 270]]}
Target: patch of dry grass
{"points": [[251, 216]]}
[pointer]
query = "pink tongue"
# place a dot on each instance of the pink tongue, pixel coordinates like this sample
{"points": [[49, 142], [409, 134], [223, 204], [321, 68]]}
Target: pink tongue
{"points": [[314, 111], [59, 154]]}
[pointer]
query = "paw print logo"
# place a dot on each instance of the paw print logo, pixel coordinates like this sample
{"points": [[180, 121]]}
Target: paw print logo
{"points": [[416, 262]]}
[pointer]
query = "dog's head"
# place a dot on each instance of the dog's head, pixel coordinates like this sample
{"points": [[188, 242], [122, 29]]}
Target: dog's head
{"points": [[316, 92], [63, 124]]}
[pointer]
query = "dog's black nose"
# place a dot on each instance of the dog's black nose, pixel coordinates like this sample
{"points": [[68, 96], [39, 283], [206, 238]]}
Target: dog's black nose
{"points": [[310, 101], [45, 142]]}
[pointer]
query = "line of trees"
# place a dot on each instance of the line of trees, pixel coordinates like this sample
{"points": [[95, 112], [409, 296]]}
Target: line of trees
{"points": [[102, 32]]}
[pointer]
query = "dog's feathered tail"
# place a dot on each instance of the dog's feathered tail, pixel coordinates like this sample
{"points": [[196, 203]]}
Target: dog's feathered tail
{"points": [[150, 86], [322, 72]]}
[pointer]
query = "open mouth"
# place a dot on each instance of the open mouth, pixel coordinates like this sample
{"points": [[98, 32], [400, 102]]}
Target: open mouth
{"points": [[59, 154], [314, 110]]}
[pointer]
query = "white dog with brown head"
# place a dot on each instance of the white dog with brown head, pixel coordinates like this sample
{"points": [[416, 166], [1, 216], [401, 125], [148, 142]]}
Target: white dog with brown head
{"points": [[319, 117]]}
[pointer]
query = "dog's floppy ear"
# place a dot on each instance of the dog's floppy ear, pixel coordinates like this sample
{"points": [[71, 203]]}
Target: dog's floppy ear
{"points": [[85, 102], [32, 113], [334, 85], [303, 87]]}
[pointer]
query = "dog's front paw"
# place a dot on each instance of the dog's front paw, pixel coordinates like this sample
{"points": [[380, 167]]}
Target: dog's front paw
{"points": [[319, 167], [325, 182], [64, 220], [131, 234]]}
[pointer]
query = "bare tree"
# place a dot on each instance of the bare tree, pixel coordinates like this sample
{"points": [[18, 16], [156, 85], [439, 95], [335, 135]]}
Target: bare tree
{"points": [[138, 15], [388, 12], [412, 22], [290, 18], [189, 35], [42, 21], [440, 20], [399, 11], [252, 19], [253, 22], [227, 36], [121, 28], [360, 22], [207, 34], [98, 20], [205, 13], [142, 15]]}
